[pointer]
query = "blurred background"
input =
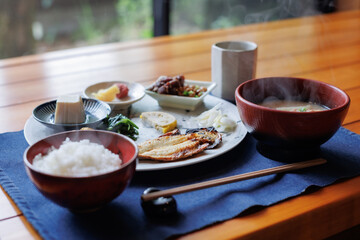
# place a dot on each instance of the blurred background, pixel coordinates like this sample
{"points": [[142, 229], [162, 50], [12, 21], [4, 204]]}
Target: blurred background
{"points": [[37, 26]]}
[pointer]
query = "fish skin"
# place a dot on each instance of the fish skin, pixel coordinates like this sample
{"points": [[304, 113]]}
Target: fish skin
{"points": [[161, 142], [209, 135], [176, 152], [174, 146]]}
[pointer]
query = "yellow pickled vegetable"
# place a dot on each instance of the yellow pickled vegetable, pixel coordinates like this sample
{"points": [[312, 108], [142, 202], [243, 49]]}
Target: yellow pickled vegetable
{"points": [[108, 94]]}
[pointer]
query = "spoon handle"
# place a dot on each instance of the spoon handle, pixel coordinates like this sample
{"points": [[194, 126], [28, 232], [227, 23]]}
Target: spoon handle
{"points": [[231, 179]]}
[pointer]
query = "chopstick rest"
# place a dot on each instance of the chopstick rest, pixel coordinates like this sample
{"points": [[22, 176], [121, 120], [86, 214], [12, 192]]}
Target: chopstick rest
{"points": [[161, 206], [150, 198]]}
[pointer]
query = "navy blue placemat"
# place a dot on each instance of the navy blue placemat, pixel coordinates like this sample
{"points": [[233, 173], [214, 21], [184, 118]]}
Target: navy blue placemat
{"points": [[123, 218]]}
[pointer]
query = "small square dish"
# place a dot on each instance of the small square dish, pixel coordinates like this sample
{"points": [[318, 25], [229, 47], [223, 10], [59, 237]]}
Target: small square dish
{"points": [[136, 92], [182, 102]]}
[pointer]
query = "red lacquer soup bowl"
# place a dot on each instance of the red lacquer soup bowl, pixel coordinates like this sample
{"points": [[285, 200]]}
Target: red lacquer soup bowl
{"points": [[291, 129]]}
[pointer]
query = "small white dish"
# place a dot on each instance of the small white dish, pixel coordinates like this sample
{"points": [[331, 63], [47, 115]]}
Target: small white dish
{"points": [[136, 92], [187, 103]]}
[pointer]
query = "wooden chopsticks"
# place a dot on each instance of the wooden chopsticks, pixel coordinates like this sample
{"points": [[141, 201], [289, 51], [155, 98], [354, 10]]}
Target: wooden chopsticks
{"points": [[231, 179]]}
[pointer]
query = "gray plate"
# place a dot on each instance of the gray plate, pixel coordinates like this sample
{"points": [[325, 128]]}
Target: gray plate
{"points": [[95, 112]]}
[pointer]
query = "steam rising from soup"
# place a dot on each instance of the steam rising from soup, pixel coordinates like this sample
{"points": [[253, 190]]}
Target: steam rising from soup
{"points": [[293, 106]]}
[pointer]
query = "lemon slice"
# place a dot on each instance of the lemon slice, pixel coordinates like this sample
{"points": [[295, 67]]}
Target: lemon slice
{"points": [[161, 121], [108, 94]]}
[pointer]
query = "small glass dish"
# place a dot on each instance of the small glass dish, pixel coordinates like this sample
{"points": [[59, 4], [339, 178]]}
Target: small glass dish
{"points": [[182, 102]]}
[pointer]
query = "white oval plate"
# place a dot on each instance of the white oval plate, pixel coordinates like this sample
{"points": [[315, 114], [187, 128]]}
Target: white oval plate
{"points": [[35, 131]]}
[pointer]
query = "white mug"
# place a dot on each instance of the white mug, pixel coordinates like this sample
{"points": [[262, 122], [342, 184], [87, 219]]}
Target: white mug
{"points": [[232, 63]]}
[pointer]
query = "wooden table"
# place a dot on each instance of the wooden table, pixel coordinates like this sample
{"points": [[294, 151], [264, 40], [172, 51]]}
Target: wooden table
{"points": [[325, 48]]}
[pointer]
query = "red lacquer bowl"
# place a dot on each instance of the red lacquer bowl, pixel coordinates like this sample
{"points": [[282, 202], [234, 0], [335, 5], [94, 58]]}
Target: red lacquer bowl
{"points": [[84, 193], [291, 129]]}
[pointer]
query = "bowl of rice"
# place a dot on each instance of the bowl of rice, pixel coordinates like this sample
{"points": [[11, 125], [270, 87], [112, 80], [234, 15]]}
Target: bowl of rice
{"points": [[81, 170]]}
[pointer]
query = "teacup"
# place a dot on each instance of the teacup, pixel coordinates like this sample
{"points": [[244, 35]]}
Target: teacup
{"points": [[232, 63]]}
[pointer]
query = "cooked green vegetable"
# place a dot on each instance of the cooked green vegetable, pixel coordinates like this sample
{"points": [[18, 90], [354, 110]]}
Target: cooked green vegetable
{"points": [[123, 125]]}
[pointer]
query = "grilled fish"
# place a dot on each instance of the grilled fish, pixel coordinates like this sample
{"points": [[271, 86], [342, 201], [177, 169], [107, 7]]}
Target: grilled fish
{"points": [[174, 146]]}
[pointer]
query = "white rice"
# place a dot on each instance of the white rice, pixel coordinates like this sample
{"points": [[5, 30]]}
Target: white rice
{"points": [[79, 159]]}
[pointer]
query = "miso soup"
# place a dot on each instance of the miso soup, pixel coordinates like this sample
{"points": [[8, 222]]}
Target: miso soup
{"points": [[294, 106]]}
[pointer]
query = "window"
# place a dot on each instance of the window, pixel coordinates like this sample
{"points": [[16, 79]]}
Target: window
{"points": [[37, 26]]}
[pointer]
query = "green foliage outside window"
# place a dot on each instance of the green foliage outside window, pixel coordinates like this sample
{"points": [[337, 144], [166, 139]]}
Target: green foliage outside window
{"points": [[48, 25]]}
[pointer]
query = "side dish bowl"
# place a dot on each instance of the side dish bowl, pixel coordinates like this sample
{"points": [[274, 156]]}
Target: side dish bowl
{"points": [[287, 129], [90, 192], [182, 102], [95, 111], [136, 93]]}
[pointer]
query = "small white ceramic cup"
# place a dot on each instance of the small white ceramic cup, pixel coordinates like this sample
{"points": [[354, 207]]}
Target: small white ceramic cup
{"points": [[232, 63]]}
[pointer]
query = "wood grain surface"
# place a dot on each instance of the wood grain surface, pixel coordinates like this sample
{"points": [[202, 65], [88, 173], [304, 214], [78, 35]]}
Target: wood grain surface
{"points": [[324, 48]]}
